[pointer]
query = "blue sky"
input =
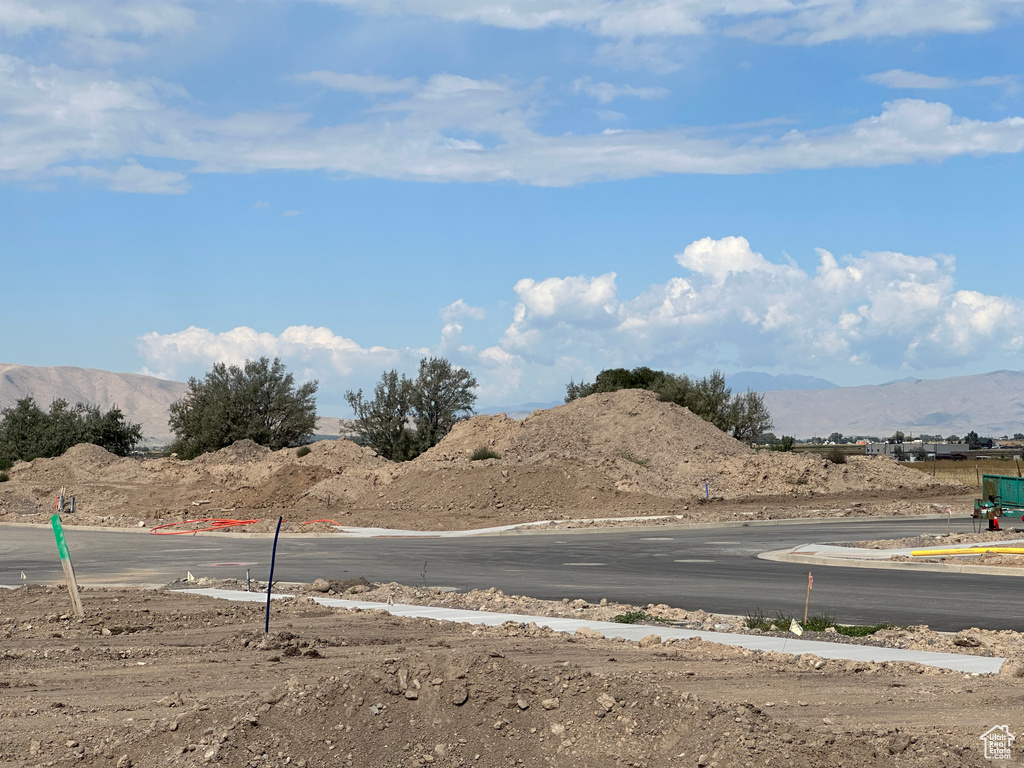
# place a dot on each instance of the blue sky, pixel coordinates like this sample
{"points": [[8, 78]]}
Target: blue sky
{"points": [[535, 190]]}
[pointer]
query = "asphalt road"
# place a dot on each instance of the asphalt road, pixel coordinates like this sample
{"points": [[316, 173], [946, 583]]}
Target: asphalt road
{"points": [[713, 568]]}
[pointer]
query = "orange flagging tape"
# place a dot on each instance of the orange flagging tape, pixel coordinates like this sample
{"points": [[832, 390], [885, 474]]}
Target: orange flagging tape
{"points": [[216, 526]]}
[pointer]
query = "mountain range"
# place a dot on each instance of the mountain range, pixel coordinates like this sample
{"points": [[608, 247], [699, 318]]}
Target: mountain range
{"points": [[991, 404]]}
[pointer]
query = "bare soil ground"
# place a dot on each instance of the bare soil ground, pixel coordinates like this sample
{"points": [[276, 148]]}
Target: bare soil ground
{"points": [[622, 454], [159, 678]]}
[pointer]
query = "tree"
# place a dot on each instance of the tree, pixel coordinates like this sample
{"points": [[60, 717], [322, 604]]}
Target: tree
{"points": [[836, 437], [258, 401], [27, 432], [382, 422], [441, 395], [972, 439], [785, 444], [897, 437], [745, 415], [406, 416]]}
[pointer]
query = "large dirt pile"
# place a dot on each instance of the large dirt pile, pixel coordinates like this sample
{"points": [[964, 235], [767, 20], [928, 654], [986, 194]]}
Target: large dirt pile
{"points": [[615, 445], [243, 475]]}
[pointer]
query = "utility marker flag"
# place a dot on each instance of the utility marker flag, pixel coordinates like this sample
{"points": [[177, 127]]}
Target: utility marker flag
{"points": [[795, 628], [810, 580]]}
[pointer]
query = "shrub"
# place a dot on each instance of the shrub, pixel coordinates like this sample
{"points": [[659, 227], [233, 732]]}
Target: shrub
{"points": [[4, 477], [637, 617], [836, 455], [630, 456], [303, 451], [483, 452]]}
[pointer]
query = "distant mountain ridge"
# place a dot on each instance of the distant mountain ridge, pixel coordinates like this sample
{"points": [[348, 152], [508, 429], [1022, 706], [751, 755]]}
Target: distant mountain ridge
{"points": [[142, 399], [991, 404], [766, 382]]}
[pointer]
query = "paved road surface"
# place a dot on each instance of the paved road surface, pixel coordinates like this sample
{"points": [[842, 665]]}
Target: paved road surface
{"points": [[714, 568]]}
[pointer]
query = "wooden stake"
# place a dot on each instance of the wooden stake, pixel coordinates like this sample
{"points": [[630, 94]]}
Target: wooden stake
{"points": [[65, 563], [807, 602]]}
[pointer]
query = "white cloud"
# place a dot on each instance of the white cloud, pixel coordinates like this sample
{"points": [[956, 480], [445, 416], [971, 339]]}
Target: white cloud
{"points": [[770, 20], [290, 214], [133, 177], [720, 258], [459, 309], [607, 92], [901, 78], [368, 84], [195, 349], [104, 30], [736, 308], [451, 128]]}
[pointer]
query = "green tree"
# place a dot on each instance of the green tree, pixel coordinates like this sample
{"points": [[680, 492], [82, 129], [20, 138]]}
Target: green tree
{"points": [[744, 415], [440, 396], [897, 437], [971, 438], [257, 401], [836, 437], [27, 432], [382, 422], [785, 444], [408, 416]]}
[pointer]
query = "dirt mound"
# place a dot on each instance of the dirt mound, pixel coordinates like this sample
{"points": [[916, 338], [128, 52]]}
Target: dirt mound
{"points": [[641, 445], [239, 452], [631, 425]]}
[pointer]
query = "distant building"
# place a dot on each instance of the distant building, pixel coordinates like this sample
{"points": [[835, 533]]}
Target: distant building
{"points": [[938, 450]]}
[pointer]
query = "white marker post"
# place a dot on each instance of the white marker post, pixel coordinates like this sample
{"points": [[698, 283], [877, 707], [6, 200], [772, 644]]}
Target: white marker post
{"points": [[65, 563]]}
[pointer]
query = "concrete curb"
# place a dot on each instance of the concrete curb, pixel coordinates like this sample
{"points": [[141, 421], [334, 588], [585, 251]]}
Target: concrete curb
{"points": [[881, 563], [837, 651], [516, 528]]}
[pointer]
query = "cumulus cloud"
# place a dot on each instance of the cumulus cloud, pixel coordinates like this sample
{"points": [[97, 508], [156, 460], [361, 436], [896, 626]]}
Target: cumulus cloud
{"points": [[902, 79], [735, 307], [605, 93], [459, 309], [172, 355], [451, 128]]}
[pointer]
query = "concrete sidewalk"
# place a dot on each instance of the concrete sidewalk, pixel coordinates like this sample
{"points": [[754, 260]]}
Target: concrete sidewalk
{"points": [[841, 651]]}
